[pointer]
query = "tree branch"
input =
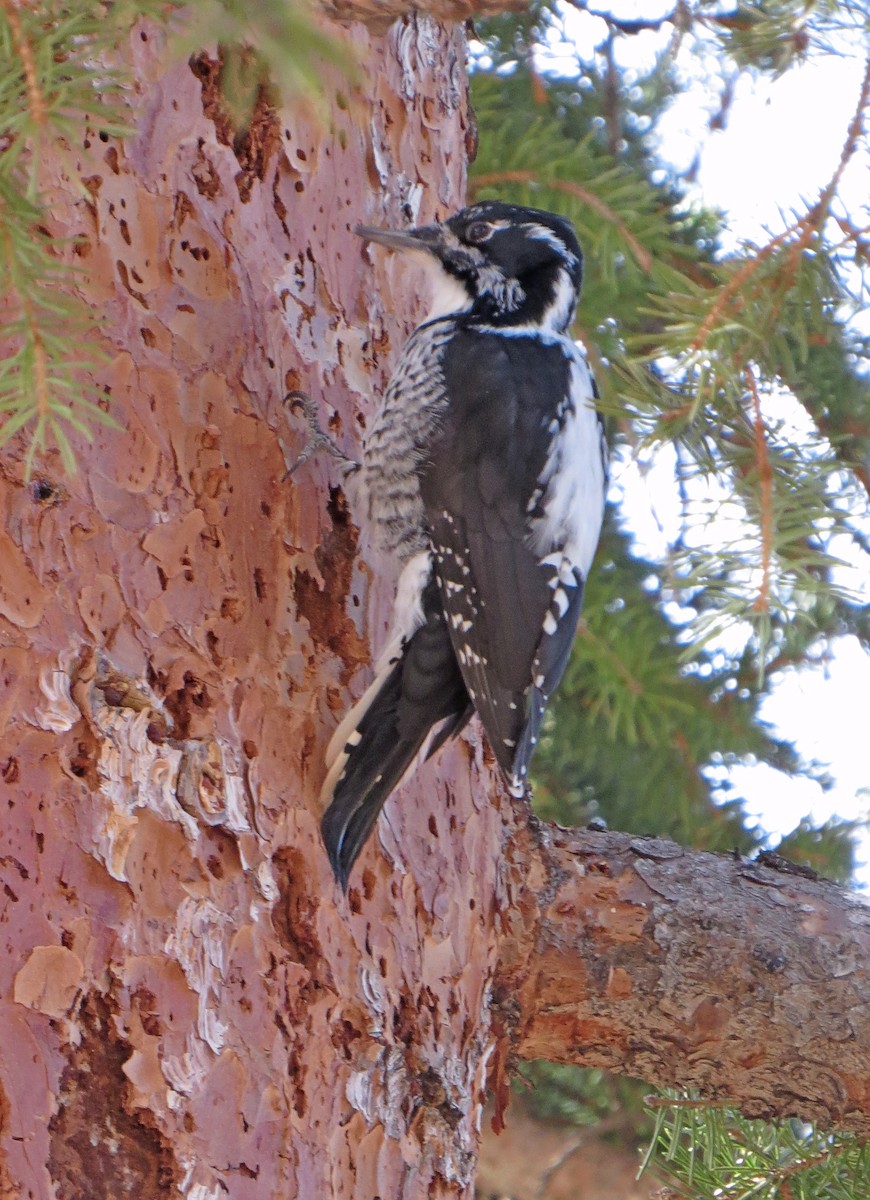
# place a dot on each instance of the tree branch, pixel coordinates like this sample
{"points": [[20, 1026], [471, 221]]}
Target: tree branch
{"points": [[747, 982], [624, 25], [379, 14]]}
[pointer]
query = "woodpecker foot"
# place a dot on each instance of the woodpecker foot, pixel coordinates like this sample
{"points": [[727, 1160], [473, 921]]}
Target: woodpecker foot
{"points": [[317, 439]]}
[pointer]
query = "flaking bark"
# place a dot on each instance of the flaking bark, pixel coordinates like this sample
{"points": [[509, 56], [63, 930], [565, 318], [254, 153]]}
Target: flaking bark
{"points": [[187, 1004], [748, 982]]}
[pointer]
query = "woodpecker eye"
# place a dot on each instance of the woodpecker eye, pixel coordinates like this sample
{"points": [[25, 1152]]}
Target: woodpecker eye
{"points": [[478, 231]]}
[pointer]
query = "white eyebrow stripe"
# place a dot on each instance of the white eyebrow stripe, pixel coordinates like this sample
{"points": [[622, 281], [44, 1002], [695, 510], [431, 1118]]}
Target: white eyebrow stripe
{"points": [[542, 234]]}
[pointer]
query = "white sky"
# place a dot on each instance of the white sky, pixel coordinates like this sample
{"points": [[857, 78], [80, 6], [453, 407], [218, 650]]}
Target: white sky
{"points": [[781, 144]]}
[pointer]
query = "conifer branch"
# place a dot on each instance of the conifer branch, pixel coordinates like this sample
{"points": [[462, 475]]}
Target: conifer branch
{"points": [[630, 681], [741, 278], [36, 99], [806, 227]]}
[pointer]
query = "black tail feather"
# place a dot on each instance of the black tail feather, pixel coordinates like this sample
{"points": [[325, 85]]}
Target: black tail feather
{"points": [[423, 688], [374, 767]]}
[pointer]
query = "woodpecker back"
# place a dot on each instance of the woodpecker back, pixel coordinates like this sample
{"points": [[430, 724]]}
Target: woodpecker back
{"points": [[484, 472]]}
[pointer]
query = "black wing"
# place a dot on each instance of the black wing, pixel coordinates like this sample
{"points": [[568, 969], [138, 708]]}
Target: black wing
{"points": [[511, 587]]}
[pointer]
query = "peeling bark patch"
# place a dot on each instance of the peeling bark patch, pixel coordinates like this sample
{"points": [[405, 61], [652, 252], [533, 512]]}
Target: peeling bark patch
{"points": [[324, 608], [205, 176], [295, 911], [257, 141], [201, 787], [7, 1187], [208, 72], [22, 596], [99, 1151], [190, 700], [49, 980]]}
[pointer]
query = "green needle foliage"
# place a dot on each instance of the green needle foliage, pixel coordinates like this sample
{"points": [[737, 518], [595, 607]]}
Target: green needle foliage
{"points": [[740, 368], [715, 1154], [698, 354], [59, 73], [700, 346], [47, 90]]}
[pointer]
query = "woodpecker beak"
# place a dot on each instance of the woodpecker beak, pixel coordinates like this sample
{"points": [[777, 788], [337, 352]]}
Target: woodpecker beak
{"points": [[427, 237]]}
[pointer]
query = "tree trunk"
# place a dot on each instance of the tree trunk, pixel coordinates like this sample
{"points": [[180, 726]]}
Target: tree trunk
{"points": [[188, 1006]]}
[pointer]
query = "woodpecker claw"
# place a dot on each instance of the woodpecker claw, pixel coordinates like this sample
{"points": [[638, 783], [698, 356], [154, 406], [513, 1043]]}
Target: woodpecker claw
{"points": [[317, 439]]}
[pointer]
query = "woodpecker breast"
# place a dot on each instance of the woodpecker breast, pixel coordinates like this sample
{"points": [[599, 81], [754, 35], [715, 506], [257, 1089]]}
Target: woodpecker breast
{"points": [[403, 427]]}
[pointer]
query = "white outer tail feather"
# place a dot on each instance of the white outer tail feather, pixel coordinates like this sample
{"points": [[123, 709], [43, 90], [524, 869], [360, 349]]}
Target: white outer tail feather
{"points": [[407, 619]]}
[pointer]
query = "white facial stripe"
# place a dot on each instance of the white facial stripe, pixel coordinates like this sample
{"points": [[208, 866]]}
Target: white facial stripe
{"points": [[542, 234], [559, 312], [449, 294], [507, 293]]}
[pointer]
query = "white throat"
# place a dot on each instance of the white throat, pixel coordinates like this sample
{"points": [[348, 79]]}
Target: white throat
{"points": [[448, 294]]}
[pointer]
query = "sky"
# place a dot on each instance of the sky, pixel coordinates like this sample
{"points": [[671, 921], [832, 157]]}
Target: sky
{"points": [[779, 147]]}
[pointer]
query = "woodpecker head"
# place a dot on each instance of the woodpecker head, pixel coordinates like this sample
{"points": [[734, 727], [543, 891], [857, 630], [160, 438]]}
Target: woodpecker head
{"points": [[506, 264]]}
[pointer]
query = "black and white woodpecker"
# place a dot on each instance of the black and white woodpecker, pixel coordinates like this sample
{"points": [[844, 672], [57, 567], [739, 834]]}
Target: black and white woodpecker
{"points": [[483, 473]]}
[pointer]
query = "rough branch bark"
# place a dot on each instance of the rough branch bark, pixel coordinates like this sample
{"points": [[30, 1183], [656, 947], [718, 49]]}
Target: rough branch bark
{"points": [[378, 14], [705, 971]]}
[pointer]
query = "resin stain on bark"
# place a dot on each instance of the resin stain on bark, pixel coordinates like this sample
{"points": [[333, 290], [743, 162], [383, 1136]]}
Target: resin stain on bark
{"points": [[99, 1149], [324, 607]]}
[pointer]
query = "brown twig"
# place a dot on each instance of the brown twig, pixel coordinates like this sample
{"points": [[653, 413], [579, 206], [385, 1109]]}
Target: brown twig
{"points": [[616, 1122], [765, 484], [809, 225], [736, 282], [611, 100], [578, 192], [849, 146], [36, 100]]}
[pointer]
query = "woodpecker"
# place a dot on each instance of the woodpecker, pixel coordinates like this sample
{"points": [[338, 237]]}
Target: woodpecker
{"points": [[483, 474]]}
